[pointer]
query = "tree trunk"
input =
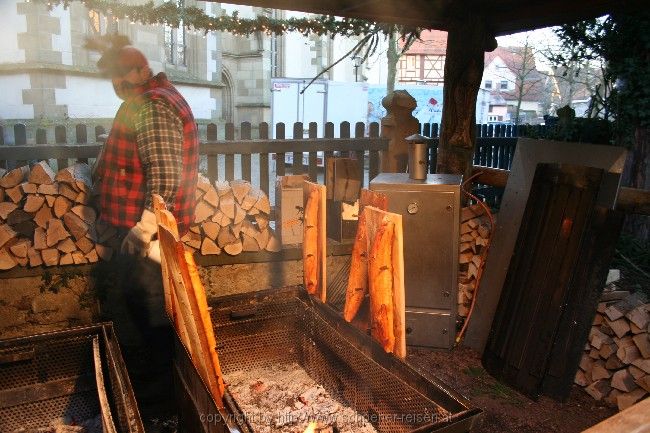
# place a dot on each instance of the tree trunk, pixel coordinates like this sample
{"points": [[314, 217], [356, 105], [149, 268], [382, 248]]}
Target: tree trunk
{"points": [[392, 57], [466, 43], [634, 175]]}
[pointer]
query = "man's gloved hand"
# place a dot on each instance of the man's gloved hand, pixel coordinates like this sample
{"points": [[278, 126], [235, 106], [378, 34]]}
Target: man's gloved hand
{"points": [[138, 239]]}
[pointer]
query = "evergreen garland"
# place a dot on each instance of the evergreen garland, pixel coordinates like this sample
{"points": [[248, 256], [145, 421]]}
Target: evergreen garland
{"points": [[193, 18]]}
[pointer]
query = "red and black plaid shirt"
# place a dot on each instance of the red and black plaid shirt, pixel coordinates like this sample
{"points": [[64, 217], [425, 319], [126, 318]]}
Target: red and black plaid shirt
{"points": [[152, 149]]}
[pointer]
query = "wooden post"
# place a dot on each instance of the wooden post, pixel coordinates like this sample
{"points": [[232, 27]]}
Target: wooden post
{"points": [[398, 124], [467, 41]]}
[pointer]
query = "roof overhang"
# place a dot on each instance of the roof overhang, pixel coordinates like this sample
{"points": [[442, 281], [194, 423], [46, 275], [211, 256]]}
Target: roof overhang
{"points": [[503, 16]]}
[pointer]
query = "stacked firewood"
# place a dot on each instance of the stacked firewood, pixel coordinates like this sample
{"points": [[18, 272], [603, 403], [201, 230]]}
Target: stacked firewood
{"points": [[46, 219], [474, 236], [231, 217], [615, 366]]}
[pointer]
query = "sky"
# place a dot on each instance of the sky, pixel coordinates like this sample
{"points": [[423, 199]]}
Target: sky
{"points": [[540, 39]]}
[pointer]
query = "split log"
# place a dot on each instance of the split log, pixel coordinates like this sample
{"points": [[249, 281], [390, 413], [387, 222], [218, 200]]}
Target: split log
{"points": [[211, 197], [41, 173], [249, 243], [642, 342], [227, 205], [85, 245], [50, 256], [33, 203], [6, 208], [203, 183], [15, 194], [78, 258], [581, 379], [66, 259], [14, 177], [599, 371], [192, 239], [234, 248], [78, 176], [620, 326], [240, 189], [262, 221], [599, 389], [644, 382], [48, 189], [222, 187], [640, 316], [40, 241], [211, 229], [92, 256], [77, 227], [240, 214], [86, 213], [636, 372], [6, 234], [7, 260], [55, 232], [628, 354], [43, 216], [34, 256], [643, 364], [29, 188], [621, 308], [623, 381], [202, 212], [21, 248], [225, 237], [626, 400], [61, 206], [66, 246], [68, 192], [208, 247]]}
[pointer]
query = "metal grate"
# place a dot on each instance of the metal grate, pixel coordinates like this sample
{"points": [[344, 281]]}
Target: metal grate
{"points": [[47, 377], [284, 330]]}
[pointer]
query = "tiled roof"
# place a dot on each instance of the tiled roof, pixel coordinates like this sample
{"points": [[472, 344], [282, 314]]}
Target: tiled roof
{"points": [[430, 42]]}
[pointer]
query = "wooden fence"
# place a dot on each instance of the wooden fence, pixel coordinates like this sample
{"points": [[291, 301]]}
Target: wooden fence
{"points": [[257, 160], [236, 154]]}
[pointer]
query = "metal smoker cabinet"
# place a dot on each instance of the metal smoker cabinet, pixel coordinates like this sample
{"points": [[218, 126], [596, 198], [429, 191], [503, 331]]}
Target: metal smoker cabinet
{"points": [[430, 212]]}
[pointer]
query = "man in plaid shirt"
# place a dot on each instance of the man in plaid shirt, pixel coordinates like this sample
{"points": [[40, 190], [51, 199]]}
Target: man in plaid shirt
{"points": [[152, 149]]}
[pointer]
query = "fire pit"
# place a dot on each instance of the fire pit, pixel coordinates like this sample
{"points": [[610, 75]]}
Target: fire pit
{"points": [[274, 330], [48, 383]]}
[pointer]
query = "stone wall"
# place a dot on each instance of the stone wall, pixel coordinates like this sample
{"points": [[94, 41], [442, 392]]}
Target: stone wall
{"points": [[42, 303]]}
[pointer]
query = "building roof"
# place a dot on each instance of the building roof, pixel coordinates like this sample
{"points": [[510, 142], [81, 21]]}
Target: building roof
{"points": [[432, 42], [503, 16]]}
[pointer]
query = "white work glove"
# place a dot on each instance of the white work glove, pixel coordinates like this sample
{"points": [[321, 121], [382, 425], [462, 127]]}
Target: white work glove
{"points": [[137, 241]]}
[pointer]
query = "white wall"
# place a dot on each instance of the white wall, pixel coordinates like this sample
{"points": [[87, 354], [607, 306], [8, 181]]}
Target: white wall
{"points": [[11, 97], [63, 41], [211, 43], [88, 97], [497, 71], [11, 24], [199, 99]]}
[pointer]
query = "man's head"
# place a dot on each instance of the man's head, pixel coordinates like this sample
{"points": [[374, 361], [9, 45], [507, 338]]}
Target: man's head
{"points": [[127, 67]]}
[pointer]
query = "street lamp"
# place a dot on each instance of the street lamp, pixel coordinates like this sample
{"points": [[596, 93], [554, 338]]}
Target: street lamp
{"points": [[356, 62]]}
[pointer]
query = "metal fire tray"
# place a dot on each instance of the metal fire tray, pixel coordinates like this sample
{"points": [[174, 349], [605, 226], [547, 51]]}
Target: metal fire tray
{"points": [[51, 376], [285, 326]]}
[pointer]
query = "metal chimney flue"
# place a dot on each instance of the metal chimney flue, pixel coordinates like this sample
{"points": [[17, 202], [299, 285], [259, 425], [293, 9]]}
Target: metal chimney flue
{"points": [[418, 158]]}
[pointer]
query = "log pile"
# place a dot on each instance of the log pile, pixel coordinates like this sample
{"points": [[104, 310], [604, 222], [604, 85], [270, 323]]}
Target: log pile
{"points": [[615, 366], [231, 217], [475, 232], [46, 218]]}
